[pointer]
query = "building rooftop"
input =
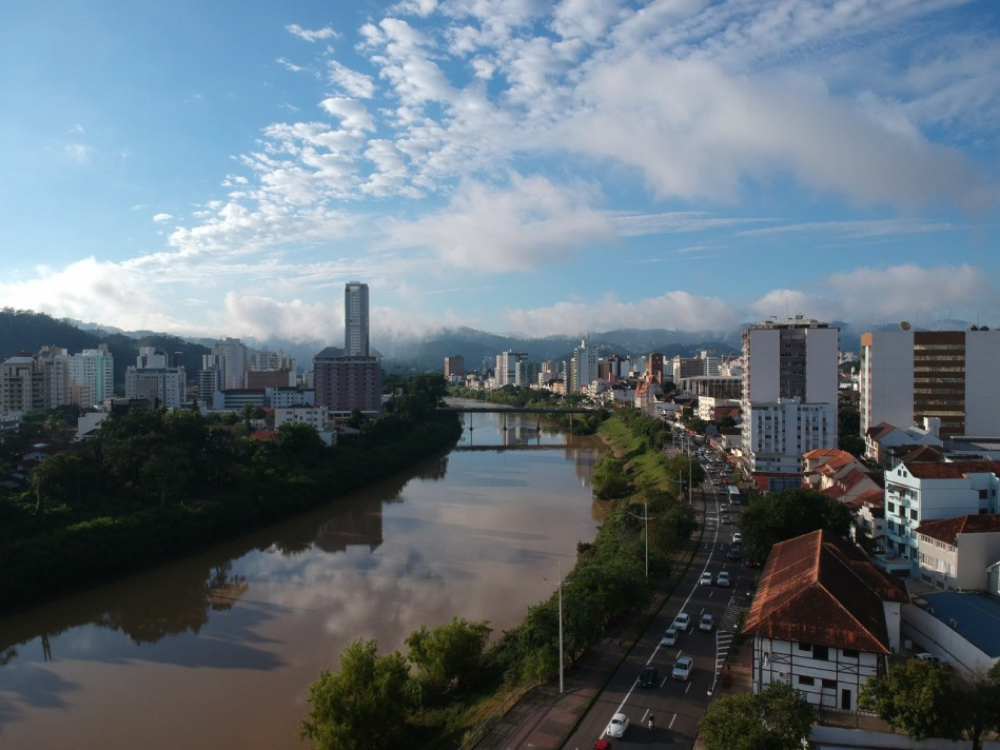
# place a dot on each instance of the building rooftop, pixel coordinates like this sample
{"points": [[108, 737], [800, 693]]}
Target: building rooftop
{"points": [[976, 617], [948, 529], [953, 470], [818, 588]]}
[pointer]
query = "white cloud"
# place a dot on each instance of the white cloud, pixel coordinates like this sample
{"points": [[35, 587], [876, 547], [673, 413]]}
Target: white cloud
{"points": [[520, 228], [289, 65], [311, 35], [162, 217], [78, 152], [352, 82], [351, 113]]}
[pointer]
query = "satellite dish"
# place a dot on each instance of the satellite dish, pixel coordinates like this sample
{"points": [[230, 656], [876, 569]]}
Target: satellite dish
{"points": [[904, 326]]}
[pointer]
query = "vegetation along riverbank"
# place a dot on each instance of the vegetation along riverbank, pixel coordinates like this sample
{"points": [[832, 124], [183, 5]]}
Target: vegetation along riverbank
{"points": [[156, 484], [453, 676]]}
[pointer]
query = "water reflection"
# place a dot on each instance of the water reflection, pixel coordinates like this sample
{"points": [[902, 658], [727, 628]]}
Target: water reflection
{"points": [[245, 626]]}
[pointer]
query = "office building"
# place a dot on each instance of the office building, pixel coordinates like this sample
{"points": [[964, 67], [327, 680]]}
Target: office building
{"points": [[231, 359], [153, 379], [949, 376], [790, 393], [356, 341]]}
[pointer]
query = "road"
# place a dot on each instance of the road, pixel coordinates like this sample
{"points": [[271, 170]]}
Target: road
{"points": [[677, 705]]}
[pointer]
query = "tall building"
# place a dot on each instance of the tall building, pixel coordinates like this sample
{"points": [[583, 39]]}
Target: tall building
{"points": [[22, 385], [153, 379], [454, 366], [232, 359], [907, 376], [583, 368], [92, 373], [356, 341], [790, 392]]}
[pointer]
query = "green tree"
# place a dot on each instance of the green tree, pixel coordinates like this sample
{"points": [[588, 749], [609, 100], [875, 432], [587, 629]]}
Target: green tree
{"points": [[365, 705], [610, 481], [779, 718], [449, 658], [778, 516]]}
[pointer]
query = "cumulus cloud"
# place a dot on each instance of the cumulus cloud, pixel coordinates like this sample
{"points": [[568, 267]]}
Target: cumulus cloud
{"points": [[518, 228], [162, 217]]}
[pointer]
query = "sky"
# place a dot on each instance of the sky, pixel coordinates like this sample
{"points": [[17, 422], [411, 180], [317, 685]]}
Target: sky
{"points": [[517, 166]]}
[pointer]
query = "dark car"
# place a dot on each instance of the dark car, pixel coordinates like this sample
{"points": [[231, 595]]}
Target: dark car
{"points": [[734, 553], [648, 677]]}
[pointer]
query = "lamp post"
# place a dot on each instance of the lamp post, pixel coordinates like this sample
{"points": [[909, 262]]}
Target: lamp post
{"points": [[560, 585], [645, 517]]}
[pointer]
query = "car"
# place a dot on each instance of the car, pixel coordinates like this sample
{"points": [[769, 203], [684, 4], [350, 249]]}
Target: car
{"points": [[706, 579], [669, 637], [723, 579], [734, 554], [649, 676], [706, 623], [602, 744], [930, 658], [727, 519], [737, 538], [682, 668], [618, 726], [682, 622]]}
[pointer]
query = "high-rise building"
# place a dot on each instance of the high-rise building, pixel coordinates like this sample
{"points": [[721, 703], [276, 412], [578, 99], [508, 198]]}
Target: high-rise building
{"points": [[454, 366], [153, 379], [92, 373], [583, 368], [22, 385], [790, 391], [356, 341], [232, 358], [907, 376]]}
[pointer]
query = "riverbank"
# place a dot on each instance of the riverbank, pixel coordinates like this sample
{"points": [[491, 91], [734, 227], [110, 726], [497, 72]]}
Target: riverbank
{"points": [[103, 547]]}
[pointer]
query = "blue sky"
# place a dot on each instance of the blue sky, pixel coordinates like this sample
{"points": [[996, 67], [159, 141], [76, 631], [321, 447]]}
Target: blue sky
{"points": [[517, 166]]}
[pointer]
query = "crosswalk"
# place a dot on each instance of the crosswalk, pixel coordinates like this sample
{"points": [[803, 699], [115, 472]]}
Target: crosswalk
{"points": [[728, 626]]}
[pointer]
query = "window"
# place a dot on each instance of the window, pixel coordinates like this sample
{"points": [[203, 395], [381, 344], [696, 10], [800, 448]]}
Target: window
{"points": [[821, 653], [913, 514], [830, 684], [806, 680], [850, 653], [805, 647]]}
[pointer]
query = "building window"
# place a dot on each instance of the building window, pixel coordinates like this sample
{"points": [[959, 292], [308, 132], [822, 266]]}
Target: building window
{"points": [[850, 653], [820, 653], [805, 647], [830, 684], [806, 680]]}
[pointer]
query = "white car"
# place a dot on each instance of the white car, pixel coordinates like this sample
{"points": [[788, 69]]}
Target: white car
{"points": [[931, 658], [706, 623], [737, 538], [682, 668], [618, 725], [706, 579], [669, 637], [682, 622], [723, 579]]}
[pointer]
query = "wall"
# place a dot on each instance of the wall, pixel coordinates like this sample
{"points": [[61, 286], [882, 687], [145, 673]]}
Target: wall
{"points": [[930, 633]]}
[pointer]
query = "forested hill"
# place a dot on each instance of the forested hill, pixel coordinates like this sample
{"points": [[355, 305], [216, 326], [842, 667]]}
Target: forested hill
{"points": [[25, 331]]}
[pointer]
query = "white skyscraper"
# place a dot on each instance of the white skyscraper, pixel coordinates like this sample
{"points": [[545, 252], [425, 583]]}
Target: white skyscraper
{"points": [[790, 392], [356, 341]]}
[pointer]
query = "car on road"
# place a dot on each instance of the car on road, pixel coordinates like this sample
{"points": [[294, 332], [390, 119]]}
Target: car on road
{"points": [[602, 744], [682, 668], [682, 622], [706, 579], [930, 658], [649, 676], [734, 553], [723, 579], [706, 623], [737, 538], [727, 519], [618, 726], [669, 637]]}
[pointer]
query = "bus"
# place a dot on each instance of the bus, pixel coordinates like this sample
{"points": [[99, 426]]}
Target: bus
{"points": [[733, 493]]}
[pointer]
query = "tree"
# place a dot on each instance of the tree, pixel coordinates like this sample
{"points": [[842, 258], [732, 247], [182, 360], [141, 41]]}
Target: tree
{"points": [[449, 658], [364, 706], [778, 516], [610, 481], [778, 718], [932, 700]]}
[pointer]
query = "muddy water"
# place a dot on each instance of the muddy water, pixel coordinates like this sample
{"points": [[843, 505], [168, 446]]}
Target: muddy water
{"points": [[217, 650]]}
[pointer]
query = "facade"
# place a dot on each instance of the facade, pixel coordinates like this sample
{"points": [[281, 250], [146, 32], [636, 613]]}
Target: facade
{"points": [[513, 368], [454, 366], [955, 553], [884, 438], [271, 379], [907, 376], [92, 374], [22, 385], [921, 491], [682, 368], [583, 368], [356, 322], [344, 383], [231, 358], [790, 393], [153, 380], [314, 416], [824, 620]]}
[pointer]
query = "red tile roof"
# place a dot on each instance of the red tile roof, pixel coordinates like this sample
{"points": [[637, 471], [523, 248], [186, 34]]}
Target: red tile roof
{"points": [[819, 589], [954, 470], [948, 529]]}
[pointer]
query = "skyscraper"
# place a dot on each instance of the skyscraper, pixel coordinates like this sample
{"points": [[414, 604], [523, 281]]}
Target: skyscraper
{"points": [[356, 342]]}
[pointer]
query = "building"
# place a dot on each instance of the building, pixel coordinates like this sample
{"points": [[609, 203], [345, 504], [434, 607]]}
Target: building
{"points": [[790, 393], [583, 368], [92, 376], [838, 475], [153, 380], [454, 366], [231, 359], [907, 376], [956, 552], [356, 322], [344, 384], [511, 369], [682, 368], [314, 416], [883, 439], [824, 620], [22, 385], [920, 491]]}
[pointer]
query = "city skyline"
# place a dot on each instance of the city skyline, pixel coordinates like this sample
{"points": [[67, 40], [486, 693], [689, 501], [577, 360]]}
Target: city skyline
{"points": [[522, 167]]}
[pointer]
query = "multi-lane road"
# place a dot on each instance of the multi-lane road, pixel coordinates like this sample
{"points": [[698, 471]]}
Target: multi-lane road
{"points": [[678, 705]]}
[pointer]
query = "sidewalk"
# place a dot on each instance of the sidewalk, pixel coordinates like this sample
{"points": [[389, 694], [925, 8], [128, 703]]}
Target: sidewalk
{"points": [[543, 719]]}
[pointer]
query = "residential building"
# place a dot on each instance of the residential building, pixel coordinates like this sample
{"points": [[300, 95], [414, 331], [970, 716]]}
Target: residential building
{"points": [[153, 380], [907, 376], [54, 361], [314, 416], [789, 393], [512, 368], [92, 376], [278, 398], [956, 552], [236, 399], [920, 491], [356, 321], [271, 379], [823, 619], [22, 385], [231, 358], [838, 475], [583, 368], [655, 364], [882, 439], [682, 368], [454, 366], [344, 384]]}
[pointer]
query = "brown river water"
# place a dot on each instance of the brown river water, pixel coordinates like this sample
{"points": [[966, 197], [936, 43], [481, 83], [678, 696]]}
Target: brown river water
{"points": [[217, 650]]}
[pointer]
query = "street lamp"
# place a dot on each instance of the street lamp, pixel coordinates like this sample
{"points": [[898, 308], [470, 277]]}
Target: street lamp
{"points": [[645, 517]]}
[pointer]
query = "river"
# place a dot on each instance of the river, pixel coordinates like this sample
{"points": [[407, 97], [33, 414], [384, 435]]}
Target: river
{"points": [[217, 650]]}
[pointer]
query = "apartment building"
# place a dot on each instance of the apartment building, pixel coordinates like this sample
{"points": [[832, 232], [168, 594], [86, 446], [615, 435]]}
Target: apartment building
{"points": [[955, 553], [949, 376]]}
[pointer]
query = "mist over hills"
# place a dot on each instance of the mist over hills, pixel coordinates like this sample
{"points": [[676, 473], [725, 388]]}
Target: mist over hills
{"points": [[27, 331]]}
